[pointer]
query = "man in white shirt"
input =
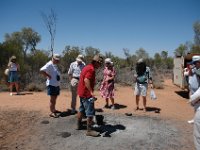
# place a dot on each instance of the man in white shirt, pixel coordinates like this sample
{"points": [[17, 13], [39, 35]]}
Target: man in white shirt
{"points": [[50, 71], [74, 74]]}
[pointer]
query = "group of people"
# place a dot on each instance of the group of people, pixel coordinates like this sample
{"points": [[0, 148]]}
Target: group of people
{"points": [[192, 72], [82, 82]]}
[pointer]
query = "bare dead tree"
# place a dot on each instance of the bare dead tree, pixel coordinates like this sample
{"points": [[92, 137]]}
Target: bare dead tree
{"points": [[50, 23]]}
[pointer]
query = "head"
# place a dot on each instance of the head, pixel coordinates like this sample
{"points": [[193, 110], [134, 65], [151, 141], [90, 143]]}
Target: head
{"points": [[56, 58], [196, 61], [13, 59], [80, 58], [108, 62], [140, 66], [97, 61]]}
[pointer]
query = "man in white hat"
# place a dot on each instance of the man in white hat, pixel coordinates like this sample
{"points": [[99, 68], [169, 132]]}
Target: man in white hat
{"points": [[50, 71], [194, 86], [74, 75]]}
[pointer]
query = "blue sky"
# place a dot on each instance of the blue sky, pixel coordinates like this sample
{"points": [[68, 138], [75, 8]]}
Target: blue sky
{"points": [[109, 25]]}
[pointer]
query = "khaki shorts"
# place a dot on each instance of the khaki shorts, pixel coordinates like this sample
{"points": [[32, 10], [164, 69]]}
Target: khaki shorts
{"points": [[141, 89]]}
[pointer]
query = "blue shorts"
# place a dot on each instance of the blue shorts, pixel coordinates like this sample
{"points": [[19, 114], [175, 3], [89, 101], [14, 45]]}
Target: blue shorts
{"points": [[13, 76], [53, 90], [87, 107]]}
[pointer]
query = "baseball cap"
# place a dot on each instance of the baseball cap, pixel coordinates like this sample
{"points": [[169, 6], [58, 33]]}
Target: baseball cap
{"points": [[195, 58]]}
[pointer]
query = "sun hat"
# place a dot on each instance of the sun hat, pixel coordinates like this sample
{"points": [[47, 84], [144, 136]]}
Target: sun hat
{"points": [[80, 58], [13, 57], [56, 56], [108, 60], [98, 58]]}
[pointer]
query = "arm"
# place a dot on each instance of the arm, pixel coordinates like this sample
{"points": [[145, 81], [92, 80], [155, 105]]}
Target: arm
{"points": [[46, 74], [88, 86], [195, 97]]}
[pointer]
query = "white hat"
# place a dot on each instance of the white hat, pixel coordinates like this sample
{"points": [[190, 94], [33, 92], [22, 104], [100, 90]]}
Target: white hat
{"points": [[195, 58], [56, 56], [80, 58], [108, 60], [140, 60]]}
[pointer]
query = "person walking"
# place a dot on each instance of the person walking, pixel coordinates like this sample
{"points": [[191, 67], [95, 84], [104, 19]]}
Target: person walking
{"points": [[107, 85], [51, 72], [13, 78], [142, 79], [74, 75], [86, 94]]}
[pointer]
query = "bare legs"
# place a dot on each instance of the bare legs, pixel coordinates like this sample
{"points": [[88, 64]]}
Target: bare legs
{"points": [[144, 102], [16, 86], [53, 103]]}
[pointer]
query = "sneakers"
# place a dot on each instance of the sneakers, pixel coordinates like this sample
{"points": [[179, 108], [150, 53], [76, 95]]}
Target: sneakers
{"points": [[92, 133], [191, 121], [113, 107]]}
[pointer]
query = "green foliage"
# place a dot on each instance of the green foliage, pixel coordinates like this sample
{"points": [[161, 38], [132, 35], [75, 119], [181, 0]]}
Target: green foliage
{"points": [[196, 28]]}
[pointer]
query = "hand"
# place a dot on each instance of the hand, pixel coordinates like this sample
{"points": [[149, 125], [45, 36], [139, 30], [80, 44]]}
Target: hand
{"points": [[48, 76], [151, 85]]}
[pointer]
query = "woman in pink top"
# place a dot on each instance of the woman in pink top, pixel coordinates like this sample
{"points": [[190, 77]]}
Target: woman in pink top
{"points": [[107, 85]]}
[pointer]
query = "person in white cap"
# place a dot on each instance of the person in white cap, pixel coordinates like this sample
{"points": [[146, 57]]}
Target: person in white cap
{"points": [[195, 99], [142, 79], [51, 72], [13, 79], [107, 85], [74, 75]]}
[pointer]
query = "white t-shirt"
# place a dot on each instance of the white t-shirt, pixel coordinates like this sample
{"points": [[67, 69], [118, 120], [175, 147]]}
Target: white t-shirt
{"points": [[12, 66], [52, 70], [75, 69]]}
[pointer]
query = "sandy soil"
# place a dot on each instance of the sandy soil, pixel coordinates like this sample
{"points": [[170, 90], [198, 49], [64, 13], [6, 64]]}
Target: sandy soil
{"points": [[25, 122]]}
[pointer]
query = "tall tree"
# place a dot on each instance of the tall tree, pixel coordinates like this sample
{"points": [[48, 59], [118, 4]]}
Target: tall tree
{"points": [[141, 53], [50, 23], [27, 38], [181, 50], [196, 28], [164, 55]]}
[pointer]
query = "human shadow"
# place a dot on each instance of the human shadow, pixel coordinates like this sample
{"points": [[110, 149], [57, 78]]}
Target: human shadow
{"points": [[184, 94], [24, 93], [66, 113], [119, 106], [98, 110], [155, 109], [107, 129]]}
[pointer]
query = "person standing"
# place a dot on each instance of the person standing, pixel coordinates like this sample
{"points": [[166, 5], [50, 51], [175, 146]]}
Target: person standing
{"points": [[142, 79], [50, 71], [74, 75], [13, 79], [86, 94], [195, 100], [107, 85]]}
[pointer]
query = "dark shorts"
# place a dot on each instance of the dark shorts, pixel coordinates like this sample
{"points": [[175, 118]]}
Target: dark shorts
{"points": [[53, 90], [13, 76], [87, 107]]}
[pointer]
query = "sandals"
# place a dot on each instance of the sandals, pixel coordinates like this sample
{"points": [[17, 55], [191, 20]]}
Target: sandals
{"points": [[55, 114]]}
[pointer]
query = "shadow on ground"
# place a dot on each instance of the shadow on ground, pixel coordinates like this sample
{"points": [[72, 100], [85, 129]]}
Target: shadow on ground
{"points": [[183, 94]]}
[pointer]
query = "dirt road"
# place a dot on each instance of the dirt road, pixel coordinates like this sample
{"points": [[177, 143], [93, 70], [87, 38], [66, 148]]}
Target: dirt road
{"points": [[25, 123]]}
